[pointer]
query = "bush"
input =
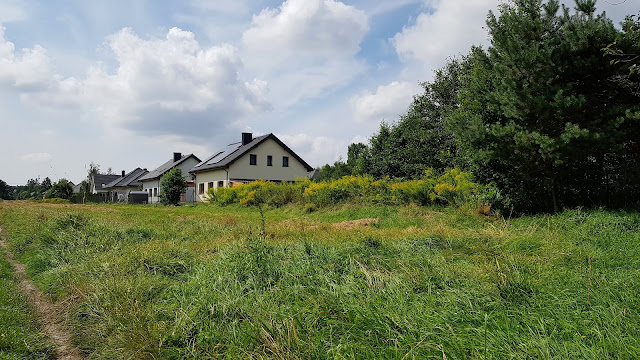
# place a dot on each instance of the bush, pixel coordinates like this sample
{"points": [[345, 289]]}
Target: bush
{"points": [[172, 185], [454, 187]]}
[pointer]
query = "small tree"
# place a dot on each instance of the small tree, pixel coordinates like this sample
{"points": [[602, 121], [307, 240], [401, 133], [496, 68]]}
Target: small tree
{"points": [[172, 185], [5, 191], [62, 189]]}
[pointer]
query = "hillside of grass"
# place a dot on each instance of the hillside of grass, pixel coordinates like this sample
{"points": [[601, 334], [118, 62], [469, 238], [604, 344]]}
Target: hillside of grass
{"points": [[344, 281]]}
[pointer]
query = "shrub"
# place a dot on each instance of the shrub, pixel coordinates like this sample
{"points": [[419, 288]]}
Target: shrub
{"points": [[172, 185], [454, 187]]}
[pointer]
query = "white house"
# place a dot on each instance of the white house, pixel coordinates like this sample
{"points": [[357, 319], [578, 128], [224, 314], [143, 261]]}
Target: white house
{"points": [[122, 186], [151, 181], [264, 157], [99, 183]]}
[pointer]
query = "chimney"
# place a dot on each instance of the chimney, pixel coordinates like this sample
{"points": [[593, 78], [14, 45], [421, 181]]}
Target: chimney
{"points": [[246, 138], [122, 173], [176, 156]]}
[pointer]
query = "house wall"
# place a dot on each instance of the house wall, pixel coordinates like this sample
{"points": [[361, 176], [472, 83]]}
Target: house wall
{"points": [[207, 177], [185, 166], [122, 194], [150, 185], [242, 171]]}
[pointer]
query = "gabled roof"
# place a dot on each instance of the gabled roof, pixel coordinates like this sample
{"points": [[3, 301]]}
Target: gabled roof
{"points": [[76, 188], [99, 179], [232, 152], [130, 179], [162, 169]]}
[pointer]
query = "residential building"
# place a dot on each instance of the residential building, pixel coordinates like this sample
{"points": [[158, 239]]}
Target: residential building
{"points": [[98, 183], [121, 187], [265, 157], [151, 181]]}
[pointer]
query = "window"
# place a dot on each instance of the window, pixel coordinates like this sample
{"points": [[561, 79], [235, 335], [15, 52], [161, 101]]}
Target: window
{"points": [[155, 191], [269, 160], [285, 161], [201, 188], [220, 183], [150, 193], [253, 159], [210, 185]]}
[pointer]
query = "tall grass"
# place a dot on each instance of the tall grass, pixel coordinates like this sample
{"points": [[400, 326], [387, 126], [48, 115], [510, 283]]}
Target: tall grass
{"points": [[418, 282], [19, 334]]}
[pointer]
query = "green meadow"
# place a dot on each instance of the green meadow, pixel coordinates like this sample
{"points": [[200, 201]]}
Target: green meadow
{"points": [[19, 334], [356, 281]]}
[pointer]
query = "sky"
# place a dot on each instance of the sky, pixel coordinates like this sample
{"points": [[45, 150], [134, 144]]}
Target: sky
{"points": [[125, 83]]}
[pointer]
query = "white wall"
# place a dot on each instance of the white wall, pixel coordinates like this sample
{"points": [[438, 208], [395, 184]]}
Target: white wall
{"points": [[185, 166], [207, 177]]}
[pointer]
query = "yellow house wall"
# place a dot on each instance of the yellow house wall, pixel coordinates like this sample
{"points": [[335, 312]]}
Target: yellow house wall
{"points": [[207, 177], [241, 169]]}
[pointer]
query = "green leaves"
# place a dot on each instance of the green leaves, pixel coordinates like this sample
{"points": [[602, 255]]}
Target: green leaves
{"points": [[172, 185], [542, 112]]}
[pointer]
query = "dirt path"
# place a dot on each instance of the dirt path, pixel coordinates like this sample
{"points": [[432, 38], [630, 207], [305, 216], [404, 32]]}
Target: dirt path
{"points": [[47, 311]]}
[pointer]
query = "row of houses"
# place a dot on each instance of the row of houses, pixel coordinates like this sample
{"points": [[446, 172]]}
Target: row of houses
{"points": [[264, 157]]}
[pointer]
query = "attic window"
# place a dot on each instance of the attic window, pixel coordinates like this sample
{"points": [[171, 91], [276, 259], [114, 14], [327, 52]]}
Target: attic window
{"points": [[253, 159], [285, 161], [269, 160]]}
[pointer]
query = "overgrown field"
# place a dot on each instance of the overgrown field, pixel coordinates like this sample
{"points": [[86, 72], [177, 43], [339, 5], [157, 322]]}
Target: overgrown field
{"points": [[347, 281], [19, 335]]}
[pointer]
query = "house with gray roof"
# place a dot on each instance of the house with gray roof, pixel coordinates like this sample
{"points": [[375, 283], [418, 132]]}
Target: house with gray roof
{"points": [[264, 157], [151, 181], [122, 186], [99, 182]]}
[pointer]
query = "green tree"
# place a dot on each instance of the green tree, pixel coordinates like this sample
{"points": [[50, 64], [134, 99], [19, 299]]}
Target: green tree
{"points": [[172, 185], [63, 189], [541, 114], [357, 155], [85, 189], [335, 171], [45, 185], [420, 139], [5, 191], [625, 49]]}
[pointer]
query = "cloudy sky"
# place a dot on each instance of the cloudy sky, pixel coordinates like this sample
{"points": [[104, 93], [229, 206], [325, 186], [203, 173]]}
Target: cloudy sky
{"points": [[124, 84]]}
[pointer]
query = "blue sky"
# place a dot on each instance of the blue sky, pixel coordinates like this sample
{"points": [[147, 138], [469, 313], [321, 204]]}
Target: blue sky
{"points": [[125, 84]]}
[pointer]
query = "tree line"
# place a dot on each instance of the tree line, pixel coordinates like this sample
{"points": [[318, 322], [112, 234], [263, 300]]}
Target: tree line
{"points": [[36, 189], [549, 112]]}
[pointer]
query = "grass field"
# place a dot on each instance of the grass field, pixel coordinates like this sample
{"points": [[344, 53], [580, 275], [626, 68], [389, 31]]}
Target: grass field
{"points": [[350, 281], [19, 335]]}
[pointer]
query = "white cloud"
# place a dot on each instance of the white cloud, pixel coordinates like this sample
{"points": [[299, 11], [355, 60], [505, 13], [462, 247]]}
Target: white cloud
{"points": [[387, 103], [27, 69], [315, 150], [305, 47], [448, 29], [308, 27], [160, 86], [36, 157]]}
